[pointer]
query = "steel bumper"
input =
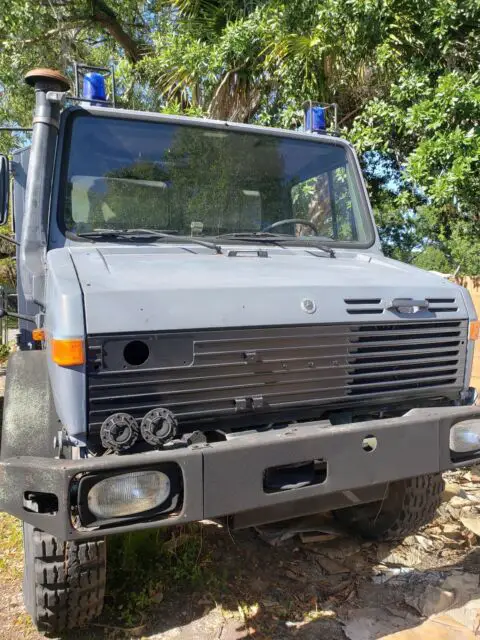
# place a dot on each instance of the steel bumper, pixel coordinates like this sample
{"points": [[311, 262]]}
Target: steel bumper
{"points": [[227, 478]]}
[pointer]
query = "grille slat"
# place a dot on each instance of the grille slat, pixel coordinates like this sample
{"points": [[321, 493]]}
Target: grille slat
{"points": [[216, 345], [122, 378], [229, 373], [168, 397], [283, 380], [285, 367]]}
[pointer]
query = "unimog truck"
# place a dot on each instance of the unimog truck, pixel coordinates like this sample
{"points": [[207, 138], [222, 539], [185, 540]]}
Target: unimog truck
{"points": [[209, 330]]}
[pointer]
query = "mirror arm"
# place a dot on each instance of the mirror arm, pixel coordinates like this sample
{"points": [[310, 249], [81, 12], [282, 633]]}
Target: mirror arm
{"points": [[9, 239], [19, 316], [16, 129]]}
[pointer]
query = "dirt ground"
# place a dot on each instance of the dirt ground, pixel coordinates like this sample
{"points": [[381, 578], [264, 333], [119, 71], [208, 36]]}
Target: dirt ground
{"points": [[343, 588], [213, 584]]}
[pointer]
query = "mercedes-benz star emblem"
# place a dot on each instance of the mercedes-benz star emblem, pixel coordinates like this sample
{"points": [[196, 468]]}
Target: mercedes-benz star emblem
{"points": [[308, 305]]}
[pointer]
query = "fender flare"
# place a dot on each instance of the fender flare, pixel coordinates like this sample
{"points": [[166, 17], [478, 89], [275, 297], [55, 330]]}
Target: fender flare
{"points": [[30, 421]]}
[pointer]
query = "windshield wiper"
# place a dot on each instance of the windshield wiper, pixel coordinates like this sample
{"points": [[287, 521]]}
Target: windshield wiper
{"points": [[253, 236], [278, 238], [133, 235]]}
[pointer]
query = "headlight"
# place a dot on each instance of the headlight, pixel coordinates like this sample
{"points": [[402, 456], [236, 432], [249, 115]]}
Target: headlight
{"points": [[127, 494], [465, 436]]}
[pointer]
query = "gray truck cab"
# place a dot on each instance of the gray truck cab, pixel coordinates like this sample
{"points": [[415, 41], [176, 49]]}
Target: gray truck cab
{"points": [[209, 329]]}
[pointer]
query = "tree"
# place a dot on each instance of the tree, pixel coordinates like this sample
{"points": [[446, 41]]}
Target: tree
{"points": [[404, 74], [425, 126]]}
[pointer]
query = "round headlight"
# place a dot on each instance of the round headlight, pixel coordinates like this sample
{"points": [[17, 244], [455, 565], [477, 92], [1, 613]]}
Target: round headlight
{"points": [[127, 494]]}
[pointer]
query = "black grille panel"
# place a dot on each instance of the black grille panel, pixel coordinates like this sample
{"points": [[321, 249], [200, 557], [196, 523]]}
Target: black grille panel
{"points": [[208, 374]]}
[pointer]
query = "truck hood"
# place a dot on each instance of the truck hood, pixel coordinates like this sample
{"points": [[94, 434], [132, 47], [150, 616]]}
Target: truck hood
{"points": [[133, 289]]}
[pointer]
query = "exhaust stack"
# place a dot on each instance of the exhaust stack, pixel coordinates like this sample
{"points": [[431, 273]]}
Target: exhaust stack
{"points": [[39, 179]]}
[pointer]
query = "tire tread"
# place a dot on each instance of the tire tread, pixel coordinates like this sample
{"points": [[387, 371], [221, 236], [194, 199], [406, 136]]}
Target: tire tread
{"points": [[70, 582], [409, 505]]}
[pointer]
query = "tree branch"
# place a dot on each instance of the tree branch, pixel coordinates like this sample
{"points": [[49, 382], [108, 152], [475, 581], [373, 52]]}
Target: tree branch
{"points": [[106, 18]]}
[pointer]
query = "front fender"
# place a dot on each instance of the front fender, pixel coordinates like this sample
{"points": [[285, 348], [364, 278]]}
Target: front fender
{"points": [[64, 318]]}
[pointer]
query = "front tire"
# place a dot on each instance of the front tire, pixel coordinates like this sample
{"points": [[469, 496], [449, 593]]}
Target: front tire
{"points": [[408, 505], [63, 582]]}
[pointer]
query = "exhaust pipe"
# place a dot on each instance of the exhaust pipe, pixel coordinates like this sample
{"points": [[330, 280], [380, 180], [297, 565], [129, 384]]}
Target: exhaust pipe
{"points": [[39, 179]]}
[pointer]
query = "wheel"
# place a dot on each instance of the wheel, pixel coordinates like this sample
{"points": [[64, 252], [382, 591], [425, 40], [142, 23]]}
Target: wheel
{"points": [[63, 582], [408, 505]]}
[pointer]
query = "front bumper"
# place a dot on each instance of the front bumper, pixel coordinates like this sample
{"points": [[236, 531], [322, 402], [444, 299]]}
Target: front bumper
{"points": [[227, 478]]}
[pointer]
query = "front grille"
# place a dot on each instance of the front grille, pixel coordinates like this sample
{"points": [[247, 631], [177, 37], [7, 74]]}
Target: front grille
{"points": [[218, 373], [442, 305], [369, 306]]}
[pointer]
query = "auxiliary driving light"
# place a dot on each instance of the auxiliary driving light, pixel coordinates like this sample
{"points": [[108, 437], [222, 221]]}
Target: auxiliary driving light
{"points": [[127, 494], [465, 436]]}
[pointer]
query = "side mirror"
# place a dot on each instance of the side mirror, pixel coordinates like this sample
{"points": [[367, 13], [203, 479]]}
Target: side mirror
{"points": [[4, 189]]}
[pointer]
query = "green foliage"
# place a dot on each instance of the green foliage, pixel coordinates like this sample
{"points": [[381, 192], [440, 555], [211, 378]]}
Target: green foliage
{"points": [[425, 127], [433, 259], [7, 273], [10, 548], [4, 352], [428, 128], [405, 76], [151, 562]]}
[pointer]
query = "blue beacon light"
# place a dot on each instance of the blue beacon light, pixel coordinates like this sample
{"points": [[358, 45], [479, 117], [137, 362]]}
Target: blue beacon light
{"points": [[315, 119], [94, 87]]}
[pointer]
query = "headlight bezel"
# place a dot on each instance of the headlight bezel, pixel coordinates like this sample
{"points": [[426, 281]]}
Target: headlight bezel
{"points": [[81, 487]]}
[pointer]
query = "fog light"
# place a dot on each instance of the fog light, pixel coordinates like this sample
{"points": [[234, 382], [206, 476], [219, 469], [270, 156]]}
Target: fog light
{"points": [[128, 493], [465, 436]]}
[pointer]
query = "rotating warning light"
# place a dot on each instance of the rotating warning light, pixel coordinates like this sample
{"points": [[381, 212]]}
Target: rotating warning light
{"points": [[94, 87], [315, 119]]}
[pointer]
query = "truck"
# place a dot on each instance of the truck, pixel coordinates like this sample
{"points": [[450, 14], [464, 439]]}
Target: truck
{"points": [[208, 329]]}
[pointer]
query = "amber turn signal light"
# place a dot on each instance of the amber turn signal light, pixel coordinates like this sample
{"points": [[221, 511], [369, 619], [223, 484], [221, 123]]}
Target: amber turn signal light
{"points": [[38, 335], [68, 353], [474, 330]]}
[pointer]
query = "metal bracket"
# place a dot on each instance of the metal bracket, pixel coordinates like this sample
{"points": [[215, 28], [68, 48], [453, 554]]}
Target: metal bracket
{"points": [[45, 120], [62, 440], [57, 97], [79, 69], [58, 443]]}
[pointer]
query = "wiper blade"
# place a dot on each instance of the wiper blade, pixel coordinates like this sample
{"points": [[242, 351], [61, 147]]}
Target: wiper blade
{"points": [[146, 235], [110, 234], [278, 238], [254, 236], [311, 242], [173, 236], [251, 235]]}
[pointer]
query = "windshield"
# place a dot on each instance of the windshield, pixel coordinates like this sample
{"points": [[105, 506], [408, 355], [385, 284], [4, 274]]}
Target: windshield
{"points": [[196, 181]]}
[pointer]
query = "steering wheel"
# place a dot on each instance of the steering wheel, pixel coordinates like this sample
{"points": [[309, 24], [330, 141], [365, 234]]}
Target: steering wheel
{"points": [[279, 223]]}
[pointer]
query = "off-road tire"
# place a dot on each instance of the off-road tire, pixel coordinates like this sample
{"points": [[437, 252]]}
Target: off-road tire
{"points": [[407, 506], [63, 582]]}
